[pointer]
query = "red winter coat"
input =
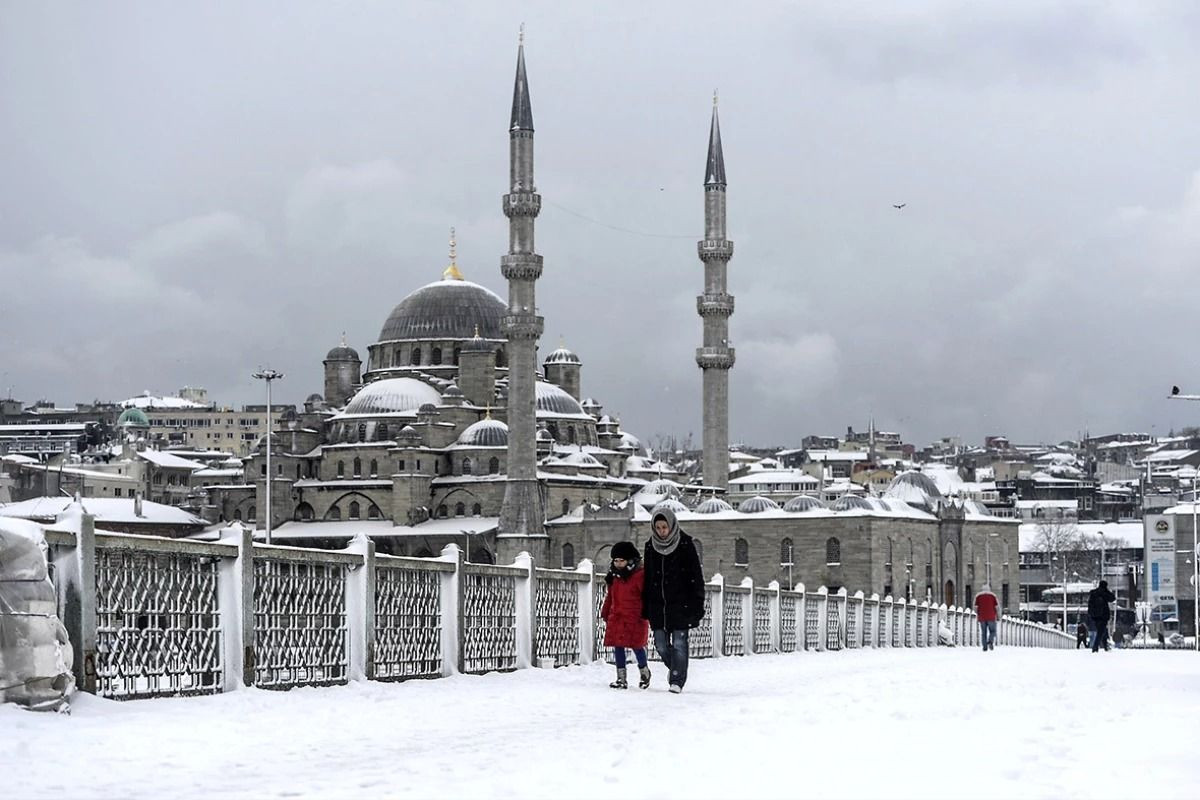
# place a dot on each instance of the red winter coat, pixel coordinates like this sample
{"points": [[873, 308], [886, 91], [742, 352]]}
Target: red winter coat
{"points": [[622, 611], [985, 606]]}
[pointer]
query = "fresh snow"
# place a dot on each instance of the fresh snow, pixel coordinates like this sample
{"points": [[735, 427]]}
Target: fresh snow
{"points": [[941, 723]]}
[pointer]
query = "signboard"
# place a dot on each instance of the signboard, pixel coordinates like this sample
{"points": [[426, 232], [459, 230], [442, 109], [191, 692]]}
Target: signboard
{"points": [[1160, 564]]}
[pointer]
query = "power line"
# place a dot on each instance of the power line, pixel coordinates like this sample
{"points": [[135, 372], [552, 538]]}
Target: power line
{"points": [[586, 218]]}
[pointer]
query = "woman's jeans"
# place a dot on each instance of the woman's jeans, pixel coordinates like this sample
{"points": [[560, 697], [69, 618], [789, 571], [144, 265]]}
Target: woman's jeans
{"points": [[672, 647], [638, 652]]}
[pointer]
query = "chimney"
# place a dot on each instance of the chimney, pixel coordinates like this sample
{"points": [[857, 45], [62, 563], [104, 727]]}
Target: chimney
{"points": [[137, 504]]}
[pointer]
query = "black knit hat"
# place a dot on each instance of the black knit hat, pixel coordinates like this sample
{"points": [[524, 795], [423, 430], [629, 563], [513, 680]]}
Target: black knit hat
{"points": [[625, 550]]}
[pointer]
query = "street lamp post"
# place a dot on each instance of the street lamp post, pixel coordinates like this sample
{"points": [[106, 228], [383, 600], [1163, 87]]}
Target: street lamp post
{"points": [[268, 375], [1175, 395]]}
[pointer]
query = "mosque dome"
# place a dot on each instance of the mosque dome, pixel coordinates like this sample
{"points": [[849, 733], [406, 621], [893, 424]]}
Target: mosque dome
{"points": [[662, 487], [803, 503], [342, 353], [314, 398], [915, 488], [485, 433], [392, 396], [713, 505], [451, 308], [672, 505], [544, 435], [553, 400], [453, 396], [849, 502], [133, 417], [562, 356], [757, 504]]}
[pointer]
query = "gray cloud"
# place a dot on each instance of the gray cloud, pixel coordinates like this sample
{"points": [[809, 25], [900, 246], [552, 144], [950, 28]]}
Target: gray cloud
{"points": [[189, 193]]}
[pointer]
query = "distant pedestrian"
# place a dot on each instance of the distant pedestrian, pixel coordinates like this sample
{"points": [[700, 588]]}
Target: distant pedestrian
{"points": [[622, 612], [673, 599], [1098, 613], [986, 607], [1081, 635], [1162, 642]]}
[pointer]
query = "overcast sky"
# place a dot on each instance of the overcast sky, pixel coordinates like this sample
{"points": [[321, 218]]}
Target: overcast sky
{"points": [[188, 191]]}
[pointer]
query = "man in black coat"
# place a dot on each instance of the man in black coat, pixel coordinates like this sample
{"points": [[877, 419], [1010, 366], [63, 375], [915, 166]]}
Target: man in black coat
{"points": [[673, 596], [1098, 600]]}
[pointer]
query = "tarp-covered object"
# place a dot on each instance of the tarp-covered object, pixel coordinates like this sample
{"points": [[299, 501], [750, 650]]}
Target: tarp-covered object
{"points": [[35, 654]]}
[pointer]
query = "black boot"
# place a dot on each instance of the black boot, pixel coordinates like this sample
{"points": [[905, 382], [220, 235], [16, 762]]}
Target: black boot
{"points": [[620, 682], [644, 677]]}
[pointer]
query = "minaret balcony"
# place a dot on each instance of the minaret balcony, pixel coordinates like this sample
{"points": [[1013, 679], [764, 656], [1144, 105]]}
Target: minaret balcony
{"points": [[522, 326], [521, 266], [522, 204], [714, 249], [714, 305], [715, 357]]}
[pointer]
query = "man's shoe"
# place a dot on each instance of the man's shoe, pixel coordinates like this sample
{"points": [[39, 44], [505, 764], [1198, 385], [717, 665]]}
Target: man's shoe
{"points": [[676, 688]]}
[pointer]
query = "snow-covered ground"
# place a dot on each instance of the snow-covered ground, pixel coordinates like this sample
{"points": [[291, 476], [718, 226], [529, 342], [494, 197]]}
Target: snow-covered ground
{"points": [[917, 723]]}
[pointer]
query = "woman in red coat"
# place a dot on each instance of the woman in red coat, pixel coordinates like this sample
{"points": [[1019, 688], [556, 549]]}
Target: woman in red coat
{"points": [[622, 613]]}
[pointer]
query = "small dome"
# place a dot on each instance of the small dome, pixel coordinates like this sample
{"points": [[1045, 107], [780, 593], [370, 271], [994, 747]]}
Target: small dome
{"points": [[314, 398], [757, 504], [134, 418], [802, 503], [408, 432], [581, 460], [452, 391], [392, 396], [976, 507], [713, 505], [543, 435], [485, 433], [662, 487], [342, 353], [446, 309], [562, 356], [553, 400], [903, 483], [628, 440], [674, 506], [848, 502], [428, 408]]}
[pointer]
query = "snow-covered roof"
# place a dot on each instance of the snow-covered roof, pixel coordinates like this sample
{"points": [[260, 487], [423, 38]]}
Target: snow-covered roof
{"points": [[793, 477], [1170, 455], [105, 509], [376, 528], [837, 455], [148, 401], [169, 460]]}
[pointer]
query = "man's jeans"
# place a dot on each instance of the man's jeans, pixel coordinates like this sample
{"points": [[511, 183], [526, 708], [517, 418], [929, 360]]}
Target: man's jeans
{"points": [[987, 634], [672, 647]]}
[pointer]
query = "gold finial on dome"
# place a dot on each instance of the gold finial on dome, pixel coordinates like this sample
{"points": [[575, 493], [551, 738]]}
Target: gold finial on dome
{"points": [[476, 330], [451, 272], [487, 413]]}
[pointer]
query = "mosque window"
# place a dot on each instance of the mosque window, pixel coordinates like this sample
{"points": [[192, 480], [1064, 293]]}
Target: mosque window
{"points": [[401, 469], [435, 356], [362, 431], [466, 466], [566, 506], [741, 552], [374, 468], [457, 353], [238, 515], [501, 361], [357, 467], [568, 555], [297, 471], [442, 511], [304, 512], [396, 359], [833, 551], [477, 510], [341, 469], [571, 434], [383, 430], [493, 465], [251, 513], [785, 552], [460, 510], [354, 510], [373, 512], [416, 357], [333, 513]]}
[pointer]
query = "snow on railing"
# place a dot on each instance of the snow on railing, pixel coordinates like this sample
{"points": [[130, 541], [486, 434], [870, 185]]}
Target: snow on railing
{"points": [[154, 617]]}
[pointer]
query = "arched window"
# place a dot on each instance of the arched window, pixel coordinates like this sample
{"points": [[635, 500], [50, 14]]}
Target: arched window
{"points": [[416, 357], [334, 513], [397, 360], [466, 466], [362, 431], [500, 360], [442, 512], [477, 510], [304, 512], [374, 468], [435, 356], [833, 551], [251, 513], [341, 469], [568, 555], [566, 506], [373, 512], [357, 467], [297, 470], [383, 430], [493, 465], [238, 515], [910, 554], [785, 552], [457, 352], [741, 552], [571, 434], [460, 510], [889, 561], [354, 510]]}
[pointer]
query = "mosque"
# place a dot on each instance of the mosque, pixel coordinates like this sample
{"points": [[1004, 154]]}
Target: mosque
{"points": [[450, 431]]}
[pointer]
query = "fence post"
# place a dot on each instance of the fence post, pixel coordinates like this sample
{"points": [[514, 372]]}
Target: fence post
{"points": [[801, 618], [822, 616], [885, 613], [775, 605], [76, 575], [587, 612], [718, 615], [748, 616], [525, 609], [873, 639], [860, 619], [843, 608], [452, 611], [235, 601], [360, 609]]}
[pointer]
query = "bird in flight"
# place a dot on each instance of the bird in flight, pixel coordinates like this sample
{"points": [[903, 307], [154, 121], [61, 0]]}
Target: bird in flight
{"points": [[900, 206]]}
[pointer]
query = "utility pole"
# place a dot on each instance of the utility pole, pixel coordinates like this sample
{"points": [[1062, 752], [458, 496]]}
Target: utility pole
{"points": [[268, 375]]}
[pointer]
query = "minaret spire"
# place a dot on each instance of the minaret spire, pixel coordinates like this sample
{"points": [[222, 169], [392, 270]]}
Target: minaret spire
{"points": [[522, 110], [715, 357]]}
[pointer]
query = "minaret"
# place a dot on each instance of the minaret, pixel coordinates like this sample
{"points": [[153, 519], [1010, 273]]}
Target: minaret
{"points": [[715, 307], [522, 517]]}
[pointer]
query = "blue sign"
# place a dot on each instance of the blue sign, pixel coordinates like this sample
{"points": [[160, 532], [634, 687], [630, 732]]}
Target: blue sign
{"points": [[1154, 576]]}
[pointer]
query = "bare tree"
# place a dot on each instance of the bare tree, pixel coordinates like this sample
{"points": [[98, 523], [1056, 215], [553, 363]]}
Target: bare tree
{"points": [[1068, 550]]}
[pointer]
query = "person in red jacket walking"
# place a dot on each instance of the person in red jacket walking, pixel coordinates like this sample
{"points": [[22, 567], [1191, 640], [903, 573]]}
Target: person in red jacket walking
{"points": [[986, 606], [622, 613]]}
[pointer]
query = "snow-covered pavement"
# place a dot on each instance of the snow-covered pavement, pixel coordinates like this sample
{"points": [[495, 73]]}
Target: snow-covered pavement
{"points": [[915, 723]]}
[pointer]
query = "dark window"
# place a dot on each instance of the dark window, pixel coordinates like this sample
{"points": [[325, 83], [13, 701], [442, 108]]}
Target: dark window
{"points": [[383, 430], [566, 506], [354, 510], [571, 434], [456, 355], [362, 431], [442, 512], [500, 360], [297, 471], [493, 465], [304, 512], [568, 555], [357, 467], [466, 466], [741, 552], [341, 469], [402, 465], [435, 356], [416, 356], [333, 513], [477, 510], [237, 514], [459, 509], [373, 512], [251, 513], [833, 551], [374, 468], [1004, 596], [785, 552]]}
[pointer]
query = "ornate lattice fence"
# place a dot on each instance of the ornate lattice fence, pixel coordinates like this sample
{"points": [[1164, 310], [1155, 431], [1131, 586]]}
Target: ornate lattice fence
{"points": [[489, 618], [408, 618], [557, 614]]}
